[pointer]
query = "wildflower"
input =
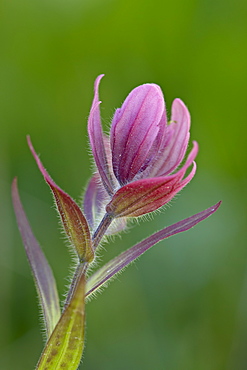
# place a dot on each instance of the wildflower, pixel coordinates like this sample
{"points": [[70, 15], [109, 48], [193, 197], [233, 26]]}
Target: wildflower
{"points": [[137, 162], [137, 173]]}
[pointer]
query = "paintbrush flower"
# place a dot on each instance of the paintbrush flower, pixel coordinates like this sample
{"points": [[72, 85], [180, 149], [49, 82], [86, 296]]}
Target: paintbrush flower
{"points": [[140, 163]]}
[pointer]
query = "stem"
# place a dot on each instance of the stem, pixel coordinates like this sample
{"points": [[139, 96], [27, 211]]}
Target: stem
{"points": [[80, 270], [101, 229], [82, 266]]}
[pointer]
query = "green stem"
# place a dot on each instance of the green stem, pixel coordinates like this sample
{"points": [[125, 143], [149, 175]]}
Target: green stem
{"points": [[80, 270]]}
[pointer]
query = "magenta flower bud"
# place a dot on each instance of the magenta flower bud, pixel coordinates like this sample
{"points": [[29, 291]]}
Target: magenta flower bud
{"points": [[138, 170], [134, 129]]}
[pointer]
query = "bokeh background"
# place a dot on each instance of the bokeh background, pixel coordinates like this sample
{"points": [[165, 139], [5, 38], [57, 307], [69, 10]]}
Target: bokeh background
{"points": [[183, 305]]}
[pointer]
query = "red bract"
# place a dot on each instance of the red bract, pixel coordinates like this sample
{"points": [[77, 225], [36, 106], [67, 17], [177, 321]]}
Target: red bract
{"points": [[145, 150]]}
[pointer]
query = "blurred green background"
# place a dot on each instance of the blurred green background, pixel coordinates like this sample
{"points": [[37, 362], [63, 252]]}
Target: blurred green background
{"points": [[183, 305]]}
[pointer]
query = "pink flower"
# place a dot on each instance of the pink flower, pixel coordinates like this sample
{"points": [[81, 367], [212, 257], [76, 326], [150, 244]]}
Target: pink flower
{"points": [[137, 163]]}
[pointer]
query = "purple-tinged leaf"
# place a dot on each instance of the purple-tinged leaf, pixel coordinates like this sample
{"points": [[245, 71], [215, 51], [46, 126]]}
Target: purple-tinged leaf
{"points": [[113, 267], [74, 222], [65, 346], [42, 273]]}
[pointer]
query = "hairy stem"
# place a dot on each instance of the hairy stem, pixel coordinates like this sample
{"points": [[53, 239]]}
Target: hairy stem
{"points": [[82, 267], [101, 229], [80, 270]]}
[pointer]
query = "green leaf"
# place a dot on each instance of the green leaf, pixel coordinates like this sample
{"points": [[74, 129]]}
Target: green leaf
{"points": [[65, 346]]}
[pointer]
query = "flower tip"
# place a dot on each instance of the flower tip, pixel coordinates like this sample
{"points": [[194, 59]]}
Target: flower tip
{"points": [[179, 104], [150, 89], [180, 112], [97, 81], [179, 101]]}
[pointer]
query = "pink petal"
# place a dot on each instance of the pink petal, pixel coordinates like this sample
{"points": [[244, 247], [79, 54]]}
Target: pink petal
{"points": [[191, 157], [134, 129], [96, 139], [173, 152], [155, 151]]}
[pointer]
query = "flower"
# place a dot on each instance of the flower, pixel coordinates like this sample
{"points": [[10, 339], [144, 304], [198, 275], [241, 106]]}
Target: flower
{"points": [[136, 163], [135, 176]]}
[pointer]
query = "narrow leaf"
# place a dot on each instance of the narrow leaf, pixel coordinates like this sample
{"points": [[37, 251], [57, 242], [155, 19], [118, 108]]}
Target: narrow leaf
{"points": [[105, 273], [74, 222], [65, 346], [42, 273]]}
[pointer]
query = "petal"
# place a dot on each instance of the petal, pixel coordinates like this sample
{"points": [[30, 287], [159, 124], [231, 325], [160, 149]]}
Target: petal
{"points": [[117, 265], [143, 196], [134, 129], [42, 273], [155, 151], [147, 195], [174, 150], [191, 157], [94, 198], [96, 139], [65, 346], [74, 222]]}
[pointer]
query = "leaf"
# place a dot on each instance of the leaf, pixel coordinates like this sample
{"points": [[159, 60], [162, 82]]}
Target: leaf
{"points": [[65, 346], [42, 273], [74, 222], [113, 267]]}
